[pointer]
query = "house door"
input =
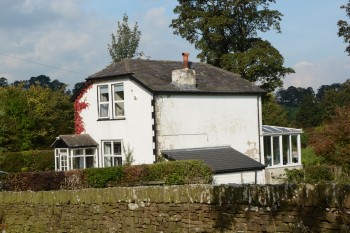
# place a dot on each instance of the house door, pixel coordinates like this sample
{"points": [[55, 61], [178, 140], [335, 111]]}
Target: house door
{"points": [[61, 162]]}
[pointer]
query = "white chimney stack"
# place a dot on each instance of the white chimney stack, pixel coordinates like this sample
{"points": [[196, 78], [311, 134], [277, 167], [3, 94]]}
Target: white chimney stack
{"points": [[184, 78]]}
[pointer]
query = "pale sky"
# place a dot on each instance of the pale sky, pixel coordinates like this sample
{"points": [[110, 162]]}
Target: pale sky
{"points": [[73, 35]]}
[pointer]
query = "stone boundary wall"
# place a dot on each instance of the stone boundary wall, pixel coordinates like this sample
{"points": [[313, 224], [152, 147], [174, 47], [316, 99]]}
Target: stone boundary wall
{"points": [[187, 208]]}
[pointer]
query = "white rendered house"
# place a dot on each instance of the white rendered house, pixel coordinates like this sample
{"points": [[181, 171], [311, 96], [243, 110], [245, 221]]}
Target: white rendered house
{"points": [[159, 108]]}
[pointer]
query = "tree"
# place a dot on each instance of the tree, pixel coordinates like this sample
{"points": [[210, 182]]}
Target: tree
{"points": [[226, 31], [273, 113], [125, 42], [344, 27], [77, 86], [32, 118], [3, 82], [309, 114], [332, 140]]}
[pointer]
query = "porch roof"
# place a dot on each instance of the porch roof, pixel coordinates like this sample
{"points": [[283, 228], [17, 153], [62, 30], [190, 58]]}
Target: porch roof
{"points": [[222, 159], [74, 141], [278, 130]]}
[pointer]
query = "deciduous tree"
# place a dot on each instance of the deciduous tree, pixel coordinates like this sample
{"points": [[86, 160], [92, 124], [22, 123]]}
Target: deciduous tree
{"points": [[226, 33], [125, 42], [344, 27]]}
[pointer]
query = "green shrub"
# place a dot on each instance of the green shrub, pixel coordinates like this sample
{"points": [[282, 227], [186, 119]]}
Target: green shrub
{"points": [[309, 157], [318, 173], [171, 173], [27, 161], [100, 177], [180, 172], [312, 174], [294, 175]]}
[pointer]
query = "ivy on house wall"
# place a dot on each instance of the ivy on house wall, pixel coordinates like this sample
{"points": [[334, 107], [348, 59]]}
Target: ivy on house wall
{"points": [[79, 105]]}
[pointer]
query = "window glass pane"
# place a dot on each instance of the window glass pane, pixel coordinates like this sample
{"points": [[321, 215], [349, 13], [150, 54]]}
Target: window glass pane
{"points": [[78, 163], [89, 161], [90, 151], [118, 92], [295, 149], [267, 151], [119, 109], [107, 148], [286, 151], [104, 97], [117, 148], [107, 161], [276, 151], [117, 161], [78, 152], [103, 110]]}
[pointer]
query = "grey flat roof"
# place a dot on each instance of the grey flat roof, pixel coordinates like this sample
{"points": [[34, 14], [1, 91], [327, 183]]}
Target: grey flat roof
{"points": [[222, 159], [272, 130], [74, 141], [156, 77]]}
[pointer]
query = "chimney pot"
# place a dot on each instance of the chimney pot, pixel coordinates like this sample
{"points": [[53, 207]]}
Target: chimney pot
{"points": [[185, 59]]}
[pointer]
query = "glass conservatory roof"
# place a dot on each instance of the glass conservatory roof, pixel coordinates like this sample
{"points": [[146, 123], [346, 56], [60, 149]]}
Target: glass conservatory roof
{"points": [[269, 130]]}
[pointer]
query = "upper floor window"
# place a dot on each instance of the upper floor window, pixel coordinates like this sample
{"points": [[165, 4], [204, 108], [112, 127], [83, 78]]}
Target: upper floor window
{"points": [[111, 101], [118, 92], [103, 101]]}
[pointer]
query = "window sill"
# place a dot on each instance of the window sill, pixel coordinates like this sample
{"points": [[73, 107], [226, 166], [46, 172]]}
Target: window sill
{"points": [[285, 166], [113, 119]]}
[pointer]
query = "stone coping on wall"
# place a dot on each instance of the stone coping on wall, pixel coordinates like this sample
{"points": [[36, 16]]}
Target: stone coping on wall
{"points": [[272, 196]]}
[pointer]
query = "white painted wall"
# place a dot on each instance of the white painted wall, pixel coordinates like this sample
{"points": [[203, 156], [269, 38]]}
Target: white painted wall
{"points": [[134, 131], [247, 177], [190, 121]]}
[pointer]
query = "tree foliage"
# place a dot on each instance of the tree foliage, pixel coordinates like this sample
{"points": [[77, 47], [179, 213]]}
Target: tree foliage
{"points": [[344, 27], [332, 141], [125, 42], [309, 114], [32, 118], [293, 96], [273, 113], [42, 81], [226, 33], [3, 82]]}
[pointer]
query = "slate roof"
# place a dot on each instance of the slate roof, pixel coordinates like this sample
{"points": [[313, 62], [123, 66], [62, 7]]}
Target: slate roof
{"points": [[222, 159], [74, 141], [277, 130], [156, 77]]}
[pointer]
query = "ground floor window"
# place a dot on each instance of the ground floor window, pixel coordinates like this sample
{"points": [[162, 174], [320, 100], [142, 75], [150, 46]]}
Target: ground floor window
{"points": [[282, 150], [112, 153], [83, 158], [78, 158]]}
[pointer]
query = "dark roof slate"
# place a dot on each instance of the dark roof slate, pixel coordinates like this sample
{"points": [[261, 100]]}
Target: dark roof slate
{"points": [[222, 159], [156, 77], [74, 141]]}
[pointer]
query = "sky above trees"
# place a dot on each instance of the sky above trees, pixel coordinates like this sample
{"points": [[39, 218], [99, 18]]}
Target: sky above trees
{"points": [[73, 35]]}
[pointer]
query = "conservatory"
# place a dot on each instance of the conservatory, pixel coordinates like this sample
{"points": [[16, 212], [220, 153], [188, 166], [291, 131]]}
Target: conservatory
{"points": [[282, 147]]}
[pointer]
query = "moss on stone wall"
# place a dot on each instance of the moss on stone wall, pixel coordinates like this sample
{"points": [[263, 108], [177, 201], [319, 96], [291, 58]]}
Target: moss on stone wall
{"points": [[187, 208]]}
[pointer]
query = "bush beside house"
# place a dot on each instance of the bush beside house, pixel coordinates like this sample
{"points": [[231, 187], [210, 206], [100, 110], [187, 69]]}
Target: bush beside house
{"points": [[170, 173], [27, 161]]}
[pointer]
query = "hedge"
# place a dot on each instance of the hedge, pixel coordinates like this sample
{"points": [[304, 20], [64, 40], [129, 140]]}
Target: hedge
{"points": [[25, 161], [169, 173]]}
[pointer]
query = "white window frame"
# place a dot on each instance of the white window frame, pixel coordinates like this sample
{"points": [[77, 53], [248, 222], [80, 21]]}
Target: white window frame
{"points": [[83, 156], [289, 155], [103, 102], [112, 155], [114, 101]]}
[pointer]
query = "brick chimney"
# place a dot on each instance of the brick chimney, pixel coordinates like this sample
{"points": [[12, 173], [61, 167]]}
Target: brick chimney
{"points": [[184, 78]]}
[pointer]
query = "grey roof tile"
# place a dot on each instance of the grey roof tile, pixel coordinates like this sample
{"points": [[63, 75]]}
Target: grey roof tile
{"points": [[222, 159], [74, 141], [156, 76]]}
